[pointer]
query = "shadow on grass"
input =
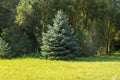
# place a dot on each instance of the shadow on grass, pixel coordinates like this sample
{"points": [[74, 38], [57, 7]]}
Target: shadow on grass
{"points": [[103, 58]]}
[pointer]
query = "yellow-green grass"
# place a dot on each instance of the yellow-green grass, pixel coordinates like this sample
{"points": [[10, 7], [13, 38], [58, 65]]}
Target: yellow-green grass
{"points": [[100, 68]]}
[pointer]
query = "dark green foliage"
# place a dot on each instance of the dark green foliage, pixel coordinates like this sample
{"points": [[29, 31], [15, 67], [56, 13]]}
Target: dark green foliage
{"points": [[4, 48], [58, 41], [98, 24], [87, 46], [18, 40]]}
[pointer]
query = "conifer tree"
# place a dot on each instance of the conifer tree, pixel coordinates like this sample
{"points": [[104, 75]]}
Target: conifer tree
{"points": [[4, 48], [58, 41]]}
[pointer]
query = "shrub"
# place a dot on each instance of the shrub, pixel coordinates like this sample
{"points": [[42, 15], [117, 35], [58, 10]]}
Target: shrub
{"points": [[87, 46], [18, 41]]}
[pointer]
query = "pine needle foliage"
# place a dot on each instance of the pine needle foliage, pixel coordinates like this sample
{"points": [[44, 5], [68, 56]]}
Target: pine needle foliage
{"points": [[4, 48], [58, 41]]}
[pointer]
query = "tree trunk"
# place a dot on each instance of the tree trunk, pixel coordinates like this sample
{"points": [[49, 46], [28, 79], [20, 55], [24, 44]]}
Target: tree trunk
{"points": [[108, 47], [108, 39]]}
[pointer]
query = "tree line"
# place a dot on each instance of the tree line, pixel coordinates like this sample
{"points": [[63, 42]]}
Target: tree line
{"points": [[94, 23]]}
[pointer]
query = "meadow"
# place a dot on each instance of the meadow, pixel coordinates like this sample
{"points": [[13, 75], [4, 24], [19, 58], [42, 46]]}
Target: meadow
{"points": [[92, 68]]}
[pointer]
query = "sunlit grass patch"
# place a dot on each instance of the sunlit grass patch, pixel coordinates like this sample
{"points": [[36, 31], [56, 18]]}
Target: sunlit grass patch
{"points": [[38, 69]]}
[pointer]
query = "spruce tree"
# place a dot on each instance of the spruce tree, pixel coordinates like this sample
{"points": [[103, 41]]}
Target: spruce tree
{"points": [[58, 41], [4, 48]]}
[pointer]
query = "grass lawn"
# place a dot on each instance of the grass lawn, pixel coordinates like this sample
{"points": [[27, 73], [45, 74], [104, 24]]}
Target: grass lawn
{"points": [[94, 68]]}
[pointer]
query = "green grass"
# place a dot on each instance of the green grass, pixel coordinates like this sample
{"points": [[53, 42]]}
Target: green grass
{"points": [[93, 68]]}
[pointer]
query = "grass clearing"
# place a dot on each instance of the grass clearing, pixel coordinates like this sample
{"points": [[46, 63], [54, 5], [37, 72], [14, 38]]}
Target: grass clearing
{"points": [[93, 68]]}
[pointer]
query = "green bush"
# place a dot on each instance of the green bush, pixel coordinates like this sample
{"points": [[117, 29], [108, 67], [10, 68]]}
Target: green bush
{"points": [[18, 41], [87, 46]]}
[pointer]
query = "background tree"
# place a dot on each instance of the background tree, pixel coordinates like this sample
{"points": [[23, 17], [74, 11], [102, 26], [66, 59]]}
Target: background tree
{"points": [[29, 15]]}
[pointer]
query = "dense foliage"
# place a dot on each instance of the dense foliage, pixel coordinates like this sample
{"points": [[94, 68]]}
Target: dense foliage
{"points": [[95, 23]]}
